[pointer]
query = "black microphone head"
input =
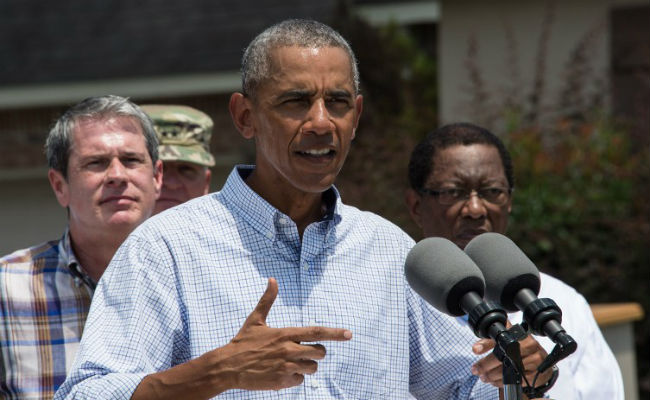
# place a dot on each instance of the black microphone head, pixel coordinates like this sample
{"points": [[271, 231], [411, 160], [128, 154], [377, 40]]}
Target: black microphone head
{"points": [[505, 267], [442, 274]]}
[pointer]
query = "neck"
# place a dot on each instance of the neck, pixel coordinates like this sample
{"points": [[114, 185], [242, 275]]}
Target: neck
{"points": [[94, 252], [302, 207]]}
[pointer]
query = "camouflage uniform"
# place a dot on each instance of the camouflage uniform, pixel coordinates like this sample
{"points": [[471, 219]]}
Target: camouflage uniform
{"points": [[183, 132]]}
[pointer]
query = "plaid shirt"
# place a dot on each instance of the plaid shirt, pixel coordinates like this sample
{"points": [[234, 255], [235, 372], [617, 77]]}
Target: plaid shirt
{"points": [[44, 301]]}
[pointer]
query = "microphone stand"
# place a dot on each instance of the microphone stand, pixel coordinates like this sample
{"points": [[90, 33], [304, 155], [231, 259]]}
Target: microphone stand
{"points": [[487, 320], [510, 356]]}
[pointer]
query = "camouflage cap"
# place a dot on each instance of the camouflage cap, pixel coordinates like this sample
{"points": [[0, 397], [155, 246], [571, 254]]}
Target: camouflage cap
{"points": [[184, 133]]}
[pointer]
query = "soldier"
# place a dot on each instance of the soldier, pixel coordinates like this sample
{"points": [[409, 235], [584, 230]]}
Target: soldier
{"points": [[184, 134]]}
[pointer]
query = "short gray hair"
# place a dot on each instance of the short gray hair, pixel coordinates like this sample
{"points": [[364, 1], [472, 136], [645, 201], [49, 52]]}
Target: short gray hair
{"points": [[59, 140], [292, 32]]}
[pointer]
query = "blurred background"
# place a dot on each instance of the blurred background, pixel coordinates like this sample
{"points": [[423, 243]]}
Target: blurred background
{"points": [[565, 84]]}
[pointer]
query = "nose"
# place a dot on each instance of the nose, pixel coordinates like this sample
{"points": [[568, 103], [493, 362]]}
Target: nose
{"points": [[171, 179], [474, 207], [116, 172], [319, 118]]}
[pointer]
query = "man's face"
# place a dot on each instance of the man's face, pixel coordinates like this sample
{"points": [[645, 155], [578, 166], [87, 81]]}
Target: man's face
{"points": [[472, 167], [302, 118], [182, 181], [112, 185]]}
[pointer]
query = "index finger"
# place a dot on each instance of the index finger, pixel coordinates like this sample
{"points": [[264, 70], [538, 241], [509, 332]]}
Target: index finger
{"points": [[317, 333]]}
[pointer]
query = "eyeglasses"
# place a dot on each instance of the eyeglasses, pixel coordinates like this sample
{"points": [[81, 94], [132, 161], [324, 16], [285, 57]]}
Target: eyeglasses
{"points": [[495, 195]]}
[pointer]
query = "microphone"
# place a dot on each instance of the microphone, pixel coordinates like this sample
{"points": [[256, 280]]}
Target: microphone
{"points": [[513, 281], [439, 272], [448, 279]]}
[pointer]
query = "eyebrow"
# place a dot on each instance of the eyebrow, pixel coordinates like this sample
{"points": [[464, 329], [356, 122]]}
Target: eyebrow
{"points": [[132, 153], [338, 93], [103, 155], [295, 94], [304, 93]]}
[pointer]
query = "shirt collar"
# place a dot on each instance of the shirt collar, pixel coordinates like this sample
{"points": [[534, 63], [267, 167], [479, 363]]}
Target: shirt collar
{"points": [[65, 249], [260, 213], [70, 260]]}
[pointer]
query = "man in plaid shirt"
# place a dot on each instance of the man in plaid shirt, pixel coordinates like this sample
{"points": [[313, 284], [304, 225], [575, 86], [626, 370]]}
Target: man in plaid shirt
{"points": [[104, 169]]}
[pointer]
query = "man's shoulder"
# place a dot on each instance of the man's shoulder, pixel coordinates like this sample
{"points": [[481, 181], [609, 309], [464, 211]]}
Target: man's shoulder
{"points": [[563, 294], [195, 214], [551, 283], [40, 255]]}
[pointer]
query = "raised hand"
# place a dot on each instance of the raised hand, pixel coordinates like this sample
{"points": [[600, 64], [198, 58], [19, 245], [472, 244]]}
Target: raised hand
{"points": [[257, 358], [260, 357]]}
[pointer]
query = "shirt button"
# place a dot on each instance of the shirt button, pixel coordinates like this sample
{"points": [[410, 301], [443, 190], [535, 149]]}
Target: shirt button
{"points": [[315, 384], [269, 235], [283, 221], [305, 266]]}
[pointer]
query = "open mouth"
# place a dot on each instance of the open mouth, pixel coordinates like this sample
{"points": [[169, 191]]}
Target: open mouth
{"points": [[317, 152], [317, 155]]}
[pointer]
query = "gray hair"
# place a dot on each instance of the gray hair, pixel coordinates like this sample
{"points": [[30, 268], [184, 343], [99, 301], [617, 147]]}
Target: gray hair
{"points": [[59, 140], [292, 32]]}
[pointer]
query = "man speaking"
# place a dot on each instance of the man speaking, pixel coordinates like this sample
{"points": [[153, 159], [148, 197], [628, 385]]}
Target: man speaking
{"points": [[178, 314]]}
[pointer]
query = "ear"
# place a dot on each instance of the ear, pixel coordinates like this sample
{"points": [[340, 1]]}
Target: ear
{"points": [[240, 112], [413, 201], [358, 105], [208, 177], [158, 177], [60, 187]]}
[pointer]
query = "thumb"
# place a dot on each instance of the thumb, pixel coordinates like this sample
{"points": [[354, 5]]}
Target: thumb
{"points": [[261, 311]]}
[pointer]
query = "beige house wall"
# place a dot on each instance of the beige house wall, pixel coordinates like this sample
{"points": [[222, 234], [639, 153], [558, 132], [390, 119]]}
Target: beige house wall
{"points": [[507, 35]]}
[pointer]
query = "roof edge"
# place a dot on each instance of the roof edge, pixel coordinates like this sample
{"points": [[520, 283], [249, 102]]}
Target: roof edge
{"points": [[49, 94]]}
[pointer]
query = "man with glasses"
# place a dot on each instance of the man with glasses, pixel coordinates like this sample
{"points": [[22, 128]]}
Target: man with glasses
{"points": [[461, 182]]}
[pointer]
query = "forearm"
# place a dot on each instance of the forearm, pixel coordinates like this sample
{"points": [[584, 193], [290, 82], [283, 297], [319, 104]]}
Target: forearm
{"points": [[195, 379]]}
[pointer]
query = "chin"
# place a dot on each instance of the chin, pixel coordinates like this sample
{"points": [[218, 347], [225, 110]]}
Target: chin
{"points": [[121, 222], [320, 185]]}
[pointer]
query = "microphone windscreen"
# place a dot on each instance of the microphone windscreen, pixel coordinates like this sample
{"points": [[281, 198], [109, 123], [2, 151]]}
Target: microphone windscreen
{"points": [[505, 267], [442, 274]]}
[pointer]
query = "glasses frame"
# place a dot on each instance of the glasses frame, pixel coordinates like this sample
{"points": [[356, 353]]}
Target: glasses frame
{"points": [[436, 193]]}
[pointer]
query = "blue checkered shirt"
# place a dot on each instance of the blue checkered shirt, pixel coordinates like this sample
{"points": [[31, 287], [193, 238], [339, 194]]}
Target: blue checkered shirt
{"points": [[184, 282]]}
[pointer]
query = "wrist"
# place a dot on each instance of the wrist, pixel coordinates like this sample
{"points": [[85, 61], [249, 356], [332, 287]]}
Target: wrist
{"points": [[195, 379]]}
